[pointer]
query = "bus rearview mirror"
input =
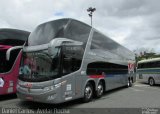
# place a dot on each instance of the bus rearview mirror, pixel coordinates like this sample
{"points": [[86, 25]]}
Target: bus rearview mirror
{"points": [[11, 49]]}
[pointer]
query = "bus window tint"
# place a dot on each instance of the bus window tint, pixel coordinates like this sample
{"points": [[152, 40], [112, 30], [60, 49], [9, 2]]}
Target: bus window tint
{"points": [[97, 68], [39, 66], [102, 42], [149, 65], [71, 59], [6, 66]]}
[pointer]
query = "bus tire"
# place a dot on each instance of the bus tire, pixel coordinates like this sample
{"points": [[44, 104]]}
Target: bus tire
{"points": [[88, 93], [151, 82], [100, 90]]}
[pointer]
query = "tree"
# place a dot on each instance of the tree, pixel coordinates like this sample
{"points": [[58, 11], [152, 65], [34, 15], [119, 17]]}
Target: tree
{"points": [[144, 53]]}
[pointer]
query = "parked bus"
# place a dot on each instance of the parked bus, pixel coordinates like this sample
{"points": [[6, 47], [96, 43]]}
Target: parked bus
{"points": [[67, 59], [149, 70], [9, 70]]}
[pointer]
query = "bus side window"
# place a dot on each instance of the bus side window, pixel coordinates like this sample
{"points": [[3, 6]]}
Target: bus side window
{"points": [[142, 65], [155, 64], [97, 68], [71, 58], [158, 64], [66, 65]]}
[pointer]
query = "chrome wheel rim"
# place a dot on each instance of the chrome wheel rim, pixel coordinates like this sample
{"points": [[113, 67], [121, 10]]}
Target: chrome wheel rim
{"points": [[100, 89], [88, 92]]}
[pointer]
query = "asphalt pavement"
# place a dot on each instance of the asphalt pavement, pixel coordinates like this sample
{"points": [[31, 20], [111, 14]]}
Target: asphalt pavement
{"points": [[141, 97]]}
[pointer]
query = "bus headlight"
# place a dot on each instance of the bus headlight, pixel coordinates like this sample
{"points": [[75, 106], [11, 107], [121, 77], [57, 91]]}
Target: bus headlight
{"points": [[57, 85], [49, 88], [53, 87], [1, 82]]}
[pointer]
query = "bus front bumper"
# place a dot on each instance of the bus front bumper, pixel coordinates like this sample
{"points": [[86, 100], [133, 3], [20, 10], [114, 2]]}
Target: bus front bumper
{"points": [[43, 97]]}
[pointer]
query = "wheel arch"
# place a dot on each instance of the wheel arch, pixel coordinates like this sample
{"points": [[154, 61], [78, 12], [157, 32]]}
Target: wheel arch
{"points": [[92, 82]]}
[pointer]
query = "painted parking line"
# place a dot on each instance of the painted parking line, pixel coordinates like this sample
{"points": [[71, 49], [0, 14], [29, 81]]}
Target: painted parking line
{"points": [[136, 89], [145, 86], [141, 85]]}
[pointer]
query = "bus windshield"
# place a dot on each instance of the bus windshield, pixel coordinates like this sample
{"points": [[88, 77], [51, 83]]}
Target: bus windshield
{"points": [[13, 38], [39, 66], [5, 66], [10, 38]]}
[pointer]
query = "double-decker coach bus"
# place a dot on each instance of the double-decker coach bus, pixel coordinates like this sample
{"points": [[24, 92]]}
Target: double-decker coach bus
{"points": [[9, 70], [66, 59], [148, 71]]}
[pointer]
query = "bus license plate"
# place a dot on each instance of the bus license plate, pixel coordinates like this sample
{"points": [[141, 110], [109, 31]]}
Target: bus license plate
{"points": [[29, 98]]}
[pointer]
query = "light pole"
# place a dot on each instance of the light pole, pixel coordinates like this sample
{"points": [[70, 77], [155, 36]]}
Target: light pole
{"points": [[91, 10]]}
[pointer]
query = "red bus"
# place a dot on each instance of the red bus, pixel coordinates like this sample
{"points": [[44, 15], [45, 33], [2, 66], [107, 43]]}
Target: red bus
{"points": [[9, 69]]}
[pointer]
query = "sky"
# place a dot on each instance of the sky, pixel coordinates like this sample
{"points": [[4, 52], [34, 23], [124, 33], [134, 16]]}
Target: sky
{"points": [[134, 24]]}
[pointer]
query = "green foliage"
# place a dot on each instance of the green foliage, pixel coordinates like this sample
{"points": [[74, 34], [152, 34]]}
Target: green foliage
{"points": [[147, 56]]}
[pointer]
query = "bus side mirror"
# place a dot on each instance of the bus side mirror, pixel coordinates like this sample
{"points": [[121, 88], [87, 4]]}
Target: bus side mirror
{"points": [[11, 49]]}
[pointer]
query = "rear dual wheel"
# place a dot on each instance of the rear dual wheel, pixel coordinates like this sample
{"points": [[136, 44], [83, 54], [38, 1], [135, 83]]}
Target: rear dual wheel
{"points": [[89, 90], [100, 90], [88, 93]]}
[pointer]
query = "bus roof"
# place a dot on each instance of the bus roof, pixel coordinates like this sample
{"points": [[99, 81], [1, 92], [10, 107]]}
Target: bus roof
{"points": [[14, 34], [149, 60], [60, 28], [78, 31]]}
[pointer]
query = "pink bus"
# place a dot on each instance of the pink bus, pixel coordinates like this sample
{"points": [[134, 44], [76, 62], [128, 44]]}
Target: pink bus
{"points": [[9, 69]]}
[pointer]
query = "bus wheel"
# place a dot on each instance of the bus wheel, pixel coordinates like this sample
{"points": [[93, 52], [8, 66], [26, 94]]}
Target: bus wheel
{"points": [[151, 82], [88, 93], [100, 90]]}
